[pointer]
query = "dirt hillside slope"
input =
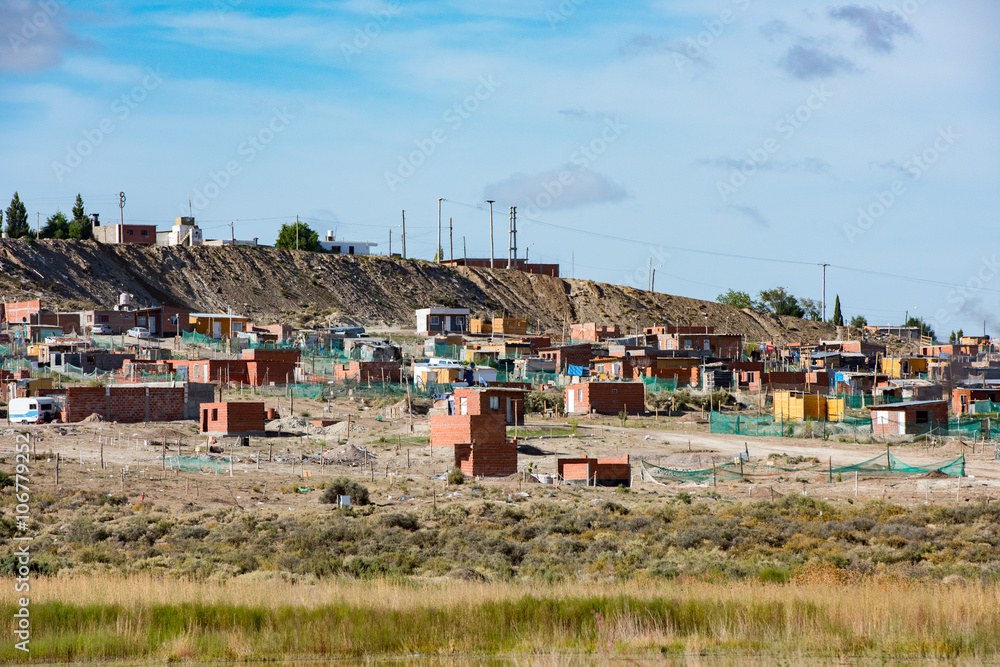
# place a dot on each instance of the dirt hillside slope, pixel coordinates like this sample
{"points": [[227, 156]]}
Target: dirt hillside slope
{"points": [[310, 288]]}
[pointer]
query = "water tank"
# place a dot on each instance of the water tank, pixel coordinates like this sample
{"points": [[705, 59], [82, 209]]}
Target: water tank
{"points": [[330, 236], [95, 220], [124, 299]]}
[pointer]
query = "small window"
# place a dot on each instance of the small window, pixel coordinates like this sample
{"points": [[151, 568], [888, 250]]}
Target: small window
{"points": [[130, 232], [350, 250], [614, 390], [687, 343], [494, 402], [145, 232], [215, 414], [105, 319], [435, 320], [579, 394], [923, 417], [335, 249], [464, 406]]}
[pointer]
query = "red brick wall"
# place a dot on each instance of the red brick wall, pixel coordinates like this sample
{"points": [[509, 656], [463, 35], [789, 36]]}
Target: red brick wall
{"points": [[285, 356], [908, 415], [451, 430], [610, 398], [122, 404], [266, 372], [607, 471], [16, 310], [487, 459], [369, 371], [232, 417], [478, 402]]}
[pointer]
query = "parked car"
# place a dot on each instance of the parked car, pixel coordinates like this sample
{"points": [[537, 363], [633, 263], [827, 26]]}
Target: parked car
{"points": [[138, 332], [4, 339], [101, 330]]}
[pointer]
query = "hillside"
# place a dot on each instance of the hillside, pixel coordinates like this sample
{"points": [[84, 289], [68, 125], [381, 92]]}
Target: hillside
{"points": [[309, 288]]}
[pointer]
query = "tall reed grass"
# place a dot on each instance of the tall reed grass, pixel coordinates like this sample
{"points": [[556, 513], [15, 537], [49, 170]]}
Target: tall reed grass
{"points": [[146, 618]]}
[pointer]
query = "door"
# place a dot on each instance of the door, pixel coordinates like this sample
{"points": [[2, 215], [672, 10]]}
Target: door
{"points": [[216, 329], [152, 326], [570, 403], [511, 417]]}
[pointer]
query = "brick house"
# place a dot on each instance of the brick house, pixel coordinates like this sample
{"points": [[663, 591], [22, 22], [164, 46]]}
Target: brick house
{"points": [[597, 472], [507, 401], [963, 399], [606, 398], [163, 320], [120, 321], [568, 355], [432, 321], [234, 418], [913, 417], [368, 371], [704, 343], [118, 234]]}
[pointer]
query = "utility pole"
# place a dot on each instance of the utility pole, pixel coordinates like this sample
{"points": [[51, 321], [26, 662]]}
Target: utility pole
{"points": [[650, 273], [824, 290], [121, 206], [404, 234], [38, 224], [451, 241], [490, 202], [439, 251], [296, 232], [652, 280], [232, 232], [512, 236], [463, 248]]}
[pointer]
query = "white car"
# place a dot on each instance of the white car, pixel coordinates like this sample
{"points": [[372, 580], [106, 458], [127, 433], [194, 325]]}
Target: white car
{"points": [[138, 332], [101, 330]]}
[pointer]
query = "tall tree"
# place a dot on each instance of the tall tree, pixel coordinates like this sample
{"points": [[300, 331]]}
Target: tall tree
{"points": [[79, 226], [780, 302], [859, 321], [56, 227], [17, 219], [838, 317], [306, 239], [736, 299]]}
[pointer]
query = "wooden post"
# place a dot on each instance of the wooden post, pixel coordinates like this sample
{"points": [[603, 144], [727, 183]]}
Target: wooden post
{"points": [[855, 483], [102, 452], [407, 457], [270, 445], [57, 468], [163, 463], [713, 474], [830, 470], [258, 459]]}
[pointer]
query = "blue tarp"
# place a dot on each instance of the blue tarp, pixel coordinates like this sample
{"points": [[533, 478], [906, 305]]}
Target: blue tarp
{"points": [[578, 371]]}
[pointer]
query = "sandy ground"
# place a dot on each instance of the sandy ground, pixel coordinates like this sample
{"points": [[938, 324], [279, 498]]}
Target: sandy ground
{"points": [[401, 469]]}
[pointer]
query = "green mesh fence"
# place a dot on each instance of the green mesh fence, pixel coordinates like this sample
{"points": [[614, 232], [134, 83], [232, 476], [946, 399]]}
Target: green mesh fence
{"points": [[540, 377], [197, 464], [16, 365], [4, 350], [985, 407], [859, 401], [447, 351], [884, 465], [656, 385], [887, 465]]}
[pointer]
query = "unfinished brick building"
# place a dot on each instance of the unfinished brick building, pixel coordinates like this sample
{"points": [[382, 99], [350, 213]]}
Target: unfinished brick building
{"points": [[596, 472], [480, 440], [126, 404], [507, 401], [237, 418]]}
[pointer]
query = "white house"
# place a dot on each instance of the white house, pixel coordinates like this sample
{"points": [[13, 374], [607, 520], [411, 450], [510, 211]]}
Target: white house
{"points": [[432, 321], [331, 245], [184, 232]]}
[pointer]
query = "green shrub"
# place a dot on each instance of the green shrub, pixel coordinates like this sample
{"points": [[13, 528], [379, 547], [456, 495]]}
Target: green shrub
{"points": [[5, 480], [456, 476], [345, 487]]}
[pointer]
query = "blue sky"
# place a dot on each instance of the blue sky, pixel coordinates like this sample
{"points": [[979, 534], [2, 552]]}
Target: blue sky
{"points": [[739, 144]]}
